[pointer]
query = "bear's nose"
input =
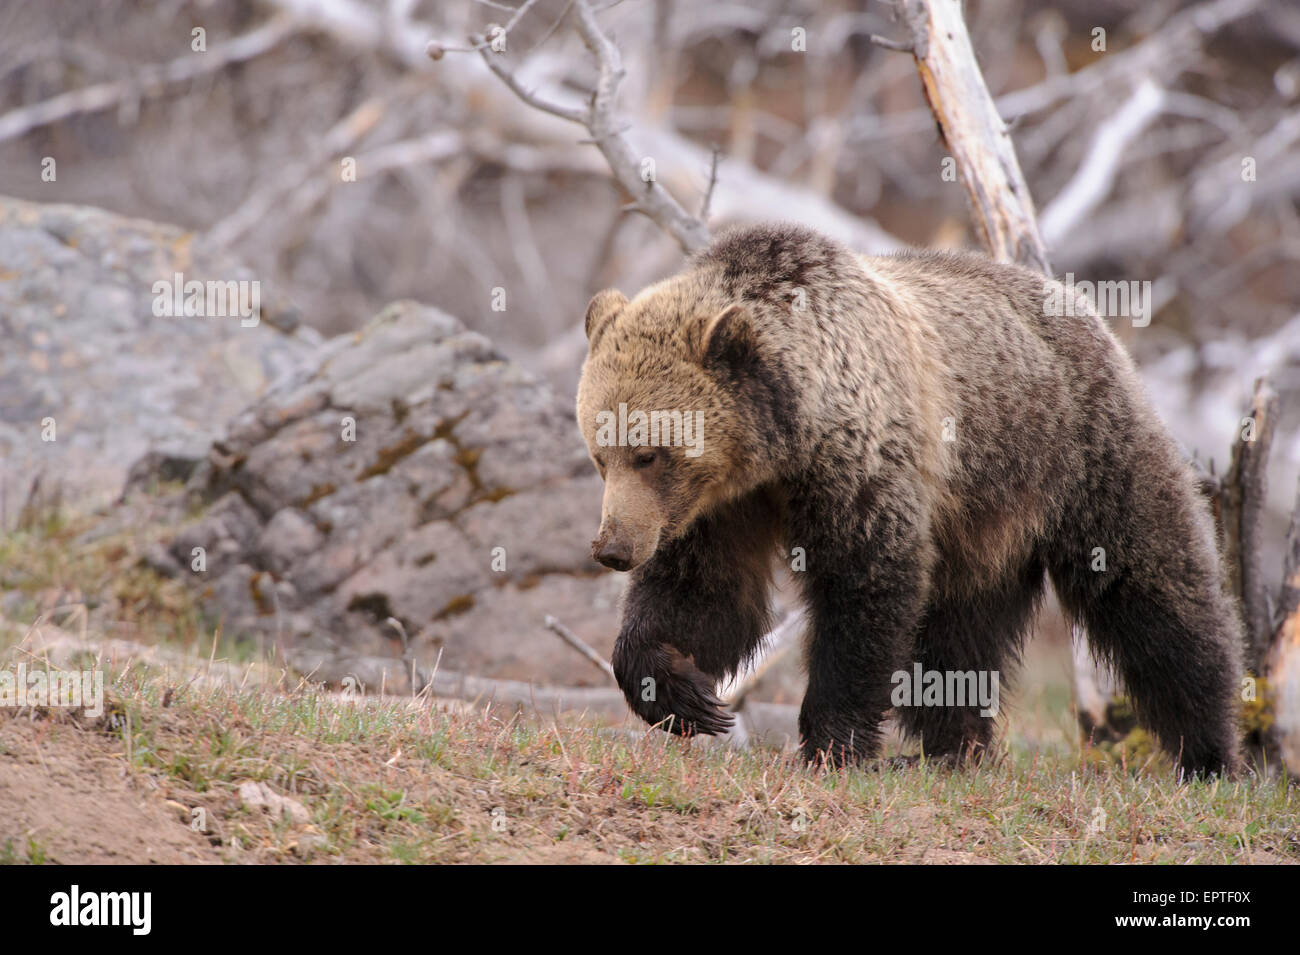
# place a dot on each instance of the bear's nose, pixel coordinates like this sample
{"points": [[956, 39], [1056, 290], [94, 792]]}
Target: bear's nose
{"points": [[614, 555]]}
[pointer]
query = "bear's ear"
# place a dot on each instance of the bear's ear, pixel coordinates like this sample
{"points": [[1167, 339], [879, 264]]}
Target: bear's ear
{"points": [[603, 307], [726, 337]]}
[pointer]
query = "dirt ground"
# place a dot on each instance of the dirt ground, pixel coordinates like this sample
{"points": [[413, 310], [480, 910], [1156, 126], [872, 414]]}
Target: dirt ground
{"points": [[67, 791]]}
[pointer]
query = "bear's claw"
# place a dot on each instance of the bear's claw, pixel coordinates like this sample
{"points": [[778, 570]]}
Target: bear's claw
{"points": [[682, 697]]}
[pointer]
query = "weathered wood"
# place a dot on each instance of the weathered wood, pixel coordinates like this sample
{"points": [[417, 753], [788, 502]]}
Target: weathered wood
{"points": [[584, 649], [1289, 598], [1242, 498], [1281, 663], [974, 132]]}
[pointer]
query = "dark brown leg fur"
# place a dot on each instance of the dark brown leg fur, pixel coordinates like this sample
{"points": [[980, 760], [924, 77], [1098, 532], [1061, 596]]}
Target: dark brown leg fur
{"points": [[980, 632], [1157, 613], [866, 580], [694, 613]]}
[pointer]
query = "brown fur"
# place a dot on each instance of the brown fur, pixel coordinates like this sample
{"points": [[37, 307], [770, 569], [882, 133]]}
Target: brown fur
{"points": [[826, 379]]}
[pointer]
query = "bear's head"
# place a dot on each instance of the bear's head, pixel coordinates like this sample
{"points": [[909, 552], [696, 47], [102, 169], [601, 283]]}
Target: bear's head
{"points": [[664, 406]]}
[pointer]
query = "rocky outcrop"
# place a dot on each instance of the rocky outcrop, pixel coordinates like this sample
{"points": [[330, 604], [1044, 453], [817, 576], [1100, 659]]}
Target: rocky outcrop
{"points": [[406, 473], [91, 378]]}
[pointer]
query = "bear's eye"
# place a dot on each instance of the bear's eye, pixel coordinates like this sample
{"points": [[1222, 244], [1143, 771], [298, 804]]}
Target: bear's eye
{"points": [[644, 459]]}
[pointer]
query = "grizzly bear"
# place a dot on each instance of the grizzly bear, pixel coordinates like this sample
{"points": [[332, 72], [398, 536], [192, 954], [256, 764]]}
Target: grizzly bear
{"points": [[938, 441]]}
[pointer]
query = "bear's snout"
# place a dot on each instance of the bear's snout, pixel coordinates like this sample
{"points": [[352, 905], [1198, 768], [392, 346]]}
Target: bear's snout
{"points": [[614, 554]]}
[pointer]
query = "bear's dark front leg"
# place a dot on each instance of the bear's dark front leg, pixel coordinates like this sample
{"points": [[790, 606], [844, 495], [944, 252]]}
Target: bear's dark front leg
{"points": [[868, 573], [695, 611]]}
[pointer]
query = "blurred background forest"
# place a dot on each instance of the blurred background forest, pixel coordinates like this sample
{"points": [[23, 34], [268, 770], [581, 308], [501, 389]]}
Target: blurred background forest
{"points": [[461, 188]]}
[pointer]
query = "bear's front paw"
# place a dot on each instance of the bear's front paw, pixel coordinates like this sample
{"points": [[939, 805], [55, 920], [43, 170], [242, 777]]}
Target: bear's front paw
{"points": [[666, 689]]}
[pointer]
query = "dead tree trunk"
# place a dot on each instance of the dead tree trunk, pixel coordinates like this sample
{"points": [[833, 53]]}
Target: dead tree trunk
{"points": [[1242, 497], [1280, 716], [974, 132], [1270, 616]]}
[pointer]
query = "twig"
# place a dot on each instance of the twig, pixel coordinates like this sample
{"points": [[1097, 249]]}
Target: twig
{"points": [[713, 182], [899, 46], [479, 41], [605, 128], [532, 99], [607, 132], [573, 640]]}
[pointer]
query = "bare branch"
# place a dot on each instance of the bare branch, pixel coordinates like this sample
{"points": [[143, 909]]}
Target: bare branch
{"points": [[150, 81], [573, 640], [480, 42], [532, 99], [1166, 52], [606, 130], [1095, 176], [607, 133], [1163, 54], [885, 43], [713, 183]]}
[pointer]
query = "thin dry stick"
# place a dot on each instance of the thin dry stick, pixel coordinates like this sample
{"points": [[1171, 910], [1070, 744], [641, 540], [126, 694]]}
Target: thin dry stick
{"points": [[573, 640], [713, 183]]}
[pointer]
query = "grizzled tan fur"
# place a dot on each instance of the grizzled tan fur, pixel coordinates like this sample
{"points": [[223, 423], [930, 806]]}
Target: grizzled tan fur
{"points": [[826, 380]]}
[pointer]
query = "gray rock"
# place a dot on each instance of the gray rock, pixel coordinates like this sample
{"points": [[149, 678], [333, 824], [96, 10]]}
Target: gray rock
{"points": [[82, 346], [406, 471]]}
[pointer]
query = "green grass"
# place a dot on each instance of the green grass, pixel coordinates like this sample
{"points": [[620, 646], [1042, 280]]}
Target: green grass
{"points": [[403, 781], [33, 853]]}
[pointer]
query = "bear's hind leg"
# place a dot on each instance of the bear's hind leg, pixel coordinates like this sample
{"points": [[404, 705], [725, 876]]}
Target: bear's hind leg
{"points": [[1146, 586], [972, 640]]}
